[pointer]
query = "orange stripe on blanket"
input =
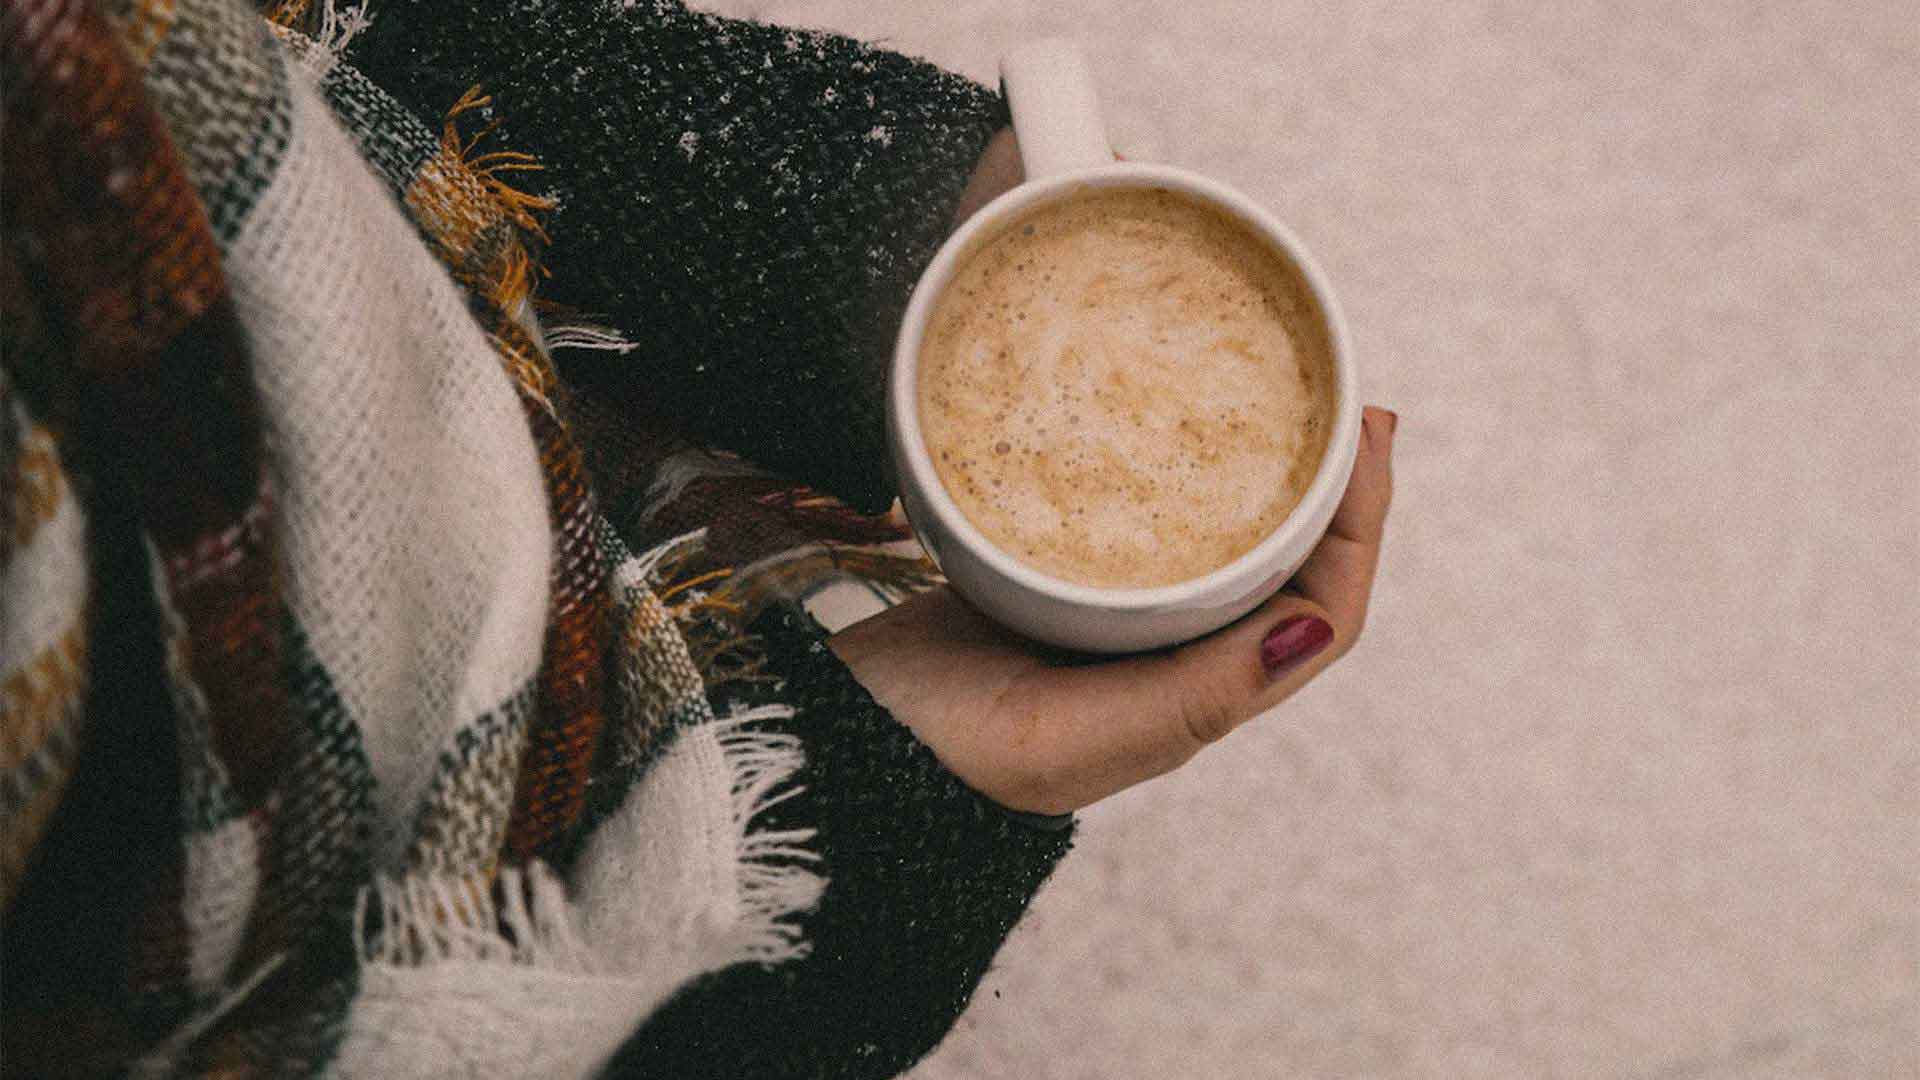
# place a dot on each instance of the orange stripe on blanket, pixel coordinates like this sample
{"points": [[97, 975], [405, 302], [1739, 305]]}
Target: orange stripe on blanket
{"points": [[39, 713], [142, 26], [41, 695], [479, 222], [34, 490], [550, 794]]}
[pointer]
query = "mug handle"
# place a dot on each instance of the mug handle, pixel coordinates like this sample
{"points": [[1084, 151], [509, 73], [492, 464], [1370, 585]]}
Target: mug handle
{"points": [[1056, 110]]}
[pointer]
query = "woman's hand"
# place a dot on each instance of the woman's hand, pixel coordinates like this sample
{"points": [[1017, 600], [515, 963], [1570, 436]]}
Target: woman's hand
{"points": [[996, 172], [1037, 734]]}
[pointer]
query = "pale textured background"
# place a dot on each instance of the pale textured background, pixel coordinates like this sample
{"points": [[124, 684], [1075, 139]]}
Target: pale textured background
{"points": [[1624, 780]]}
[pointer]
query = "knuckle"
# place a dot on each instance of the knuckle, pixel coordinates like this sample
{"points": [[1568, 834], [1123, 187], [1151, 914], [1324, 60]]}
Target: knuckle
{"points": [[1206, 717], [1210, 702]]}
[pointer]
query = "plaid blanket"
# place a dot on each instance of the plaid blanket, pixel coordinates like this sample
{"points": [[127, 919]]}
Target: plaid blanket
{"points": [[277, 420]]}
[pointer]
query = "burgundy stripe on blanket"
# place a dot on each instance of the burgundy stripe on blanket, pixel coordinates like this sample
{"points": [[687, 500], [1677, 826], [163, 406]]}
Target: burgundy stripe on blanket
{"points": [[99, 210]]}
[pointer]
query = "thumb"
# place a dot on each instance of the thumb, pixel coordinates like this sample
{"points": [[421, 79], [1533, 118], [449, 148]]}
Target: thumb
{"points": [[1249, 667], [1264, 658], [1147, 715], [1087, 731]]}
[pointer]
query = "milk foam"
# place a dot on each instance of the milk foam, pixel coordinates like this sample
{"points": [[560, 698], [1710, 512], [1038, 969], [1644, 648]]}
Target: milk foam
{"points": [[1126, 389]]}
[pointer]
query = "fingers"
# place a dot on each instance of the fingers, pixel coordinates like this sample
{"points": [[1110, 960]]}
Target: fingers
{"points": [[1048, 738], [1085, 733], [1338, 576], [1236, 674], [1225, 679], [1362, 514], [996, 172]]}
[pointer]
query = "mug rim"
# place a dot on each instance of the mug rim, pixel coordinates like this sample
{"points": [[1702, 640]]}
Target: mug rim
{"points": [[1245, 570]]}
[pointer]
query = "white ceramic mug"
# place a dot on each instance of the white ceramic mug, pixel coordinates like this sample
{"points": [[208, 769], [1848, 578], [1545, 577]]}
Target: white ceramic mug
{"points": [[1064, 149]]}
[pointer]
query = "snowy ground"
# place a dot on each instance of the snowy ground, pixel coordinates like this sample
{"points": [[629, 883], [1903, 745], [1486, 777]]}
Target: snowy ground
{"points": [[1625, 779]]}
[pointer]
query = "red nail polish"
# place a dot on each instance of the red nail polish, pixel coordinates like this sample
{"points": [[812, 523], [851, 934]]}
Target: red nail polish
{"points": [[1293, 642]]}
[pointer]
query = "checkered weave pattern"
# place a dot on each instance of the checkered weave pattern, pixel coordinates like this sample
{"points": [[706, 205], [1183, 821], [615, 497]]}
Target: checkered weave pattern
{"points": [[381, 698], [284, 330]]}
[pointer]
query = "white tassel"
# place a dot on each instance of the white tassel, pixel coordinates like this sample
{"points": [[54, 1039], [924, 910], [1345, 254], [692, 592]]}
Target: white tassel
{"points": [[587, 336], [340, 23], [430, 919], [427, 919], [636, 572], [773, 884], [684, 468]]}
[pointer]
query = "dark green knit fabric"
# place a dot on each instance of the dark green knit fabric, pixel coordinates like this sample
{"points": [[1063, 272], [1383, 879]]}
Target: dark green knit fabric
{"points": [[925, 880], [750, 204]]}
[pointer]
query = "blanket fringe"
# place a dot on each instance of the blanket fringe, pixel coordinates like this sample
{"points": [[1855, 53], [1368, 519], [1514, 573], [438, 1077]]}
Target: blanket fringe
{"points": [[431, 918], [774, 865], [826, 518], [726, 657], [586, 335], [646, 570], [682, 469], [328, 29], [708, 618], [526, 919], [518, 206], [791, 575]]}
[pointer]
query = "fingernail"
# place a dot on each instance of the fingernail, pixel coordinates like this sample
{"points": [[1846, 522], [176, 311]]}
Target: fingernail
{"points": [[1293, 642], [1393, 420]]}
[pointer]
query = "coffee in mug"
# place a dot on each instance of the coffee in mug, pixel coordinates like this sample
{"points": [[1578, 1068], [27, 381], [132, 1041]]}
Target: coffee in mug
{"points": [[1126, 388], [1122, 405]]}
